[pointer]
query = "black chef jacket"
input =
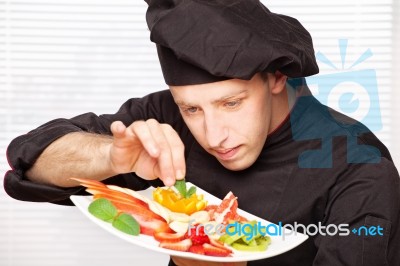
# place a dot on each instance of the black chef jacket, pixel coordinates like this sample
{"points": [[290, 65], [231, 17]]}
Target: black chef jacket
{"points": [[318, 166]]}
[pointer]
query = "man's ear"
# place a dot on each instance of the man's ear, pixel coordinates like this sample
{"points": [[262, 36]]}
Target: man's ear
{"points": [[277, 82]]}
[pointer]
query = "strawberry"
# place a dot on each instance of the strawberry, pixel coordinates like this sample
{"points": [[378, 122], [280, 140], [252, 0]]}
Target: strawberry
{"points": [[183, 245], [151, 227], [197, 235], [198, 249], [169, 237], [211, 250]]}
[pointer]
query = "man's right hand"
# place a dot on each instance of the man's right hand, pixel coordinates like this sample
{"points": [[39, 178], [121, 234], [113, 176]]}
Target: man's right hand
{"points": [[148, 148]]}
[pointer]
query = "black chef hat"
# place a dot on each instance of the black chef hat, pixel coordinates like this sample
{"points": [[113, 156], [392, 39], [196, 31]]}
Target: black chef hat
{"points": [[202, 41]]}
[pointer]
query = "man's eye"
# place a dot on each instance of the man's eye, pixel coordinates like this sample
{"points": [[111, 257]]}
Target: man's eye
{"points": [[232, 104], [190, 110]]}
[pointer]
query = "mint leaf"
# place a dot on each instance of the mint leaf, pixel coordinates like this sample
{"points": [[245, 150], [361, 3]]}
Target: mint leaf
{"points": [[127, 224], [103, 209], [180, 185], [190, 192], [106, 211]]}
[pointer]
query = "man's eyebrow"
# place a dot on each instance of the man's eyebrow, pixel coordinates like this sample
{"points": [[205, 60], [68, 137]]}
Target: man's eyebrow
{"points": [[182, 103], [227, 97], [221, 99]]}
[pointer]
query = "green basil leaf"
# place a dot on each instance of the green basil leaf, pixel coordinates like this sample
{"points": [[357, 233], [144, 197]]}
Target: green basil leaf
{"points": [[180, 185], [103, 209], [191, 191], [127, 224]]}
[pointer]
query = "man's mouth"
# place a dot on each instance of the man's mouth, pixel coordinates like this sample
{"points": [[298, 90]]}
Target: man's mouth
{"points": [[226, 154]]}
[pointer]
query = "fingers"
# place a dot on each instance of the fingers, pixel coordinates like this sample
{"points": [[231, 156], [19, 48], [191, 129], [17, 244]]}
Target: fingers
{"points": [[165, 169], [118, 129], [177, 151], [142, 131], [160, 141]]}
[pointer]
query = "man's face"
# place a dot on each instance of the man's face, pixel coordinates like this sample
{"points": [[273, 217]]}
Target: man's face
{"points": [[230, 119]]}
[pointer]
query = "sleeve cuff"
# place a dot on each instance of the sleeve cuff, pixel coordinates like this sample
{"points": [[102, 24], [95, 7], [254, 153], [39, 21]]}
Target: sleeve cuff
{"points": [[22, 189]]}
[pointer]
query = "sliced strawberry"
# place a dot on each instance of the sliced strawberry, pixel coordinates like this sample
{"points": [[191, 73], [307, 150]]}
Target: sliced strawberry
{"points": [[211, 250], [169, 237], [197, 235], [198, 249], [183, 245], [199, 240], [151, 227]]}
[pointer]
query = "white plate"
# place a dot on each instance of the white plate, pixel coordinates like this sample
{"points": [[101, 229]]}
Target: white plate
{"points": [[278, 244]]}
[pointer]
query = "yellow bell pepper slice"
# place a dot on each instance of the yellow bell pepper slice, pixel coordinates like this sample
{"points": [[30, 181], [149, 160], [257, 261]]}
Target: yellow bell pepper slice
{"points": [[176, 203]]}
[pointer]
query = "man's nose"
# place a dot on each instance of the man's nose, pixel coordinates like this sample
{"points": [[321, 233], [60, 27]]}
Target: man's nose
{"points": [[215, 129]]}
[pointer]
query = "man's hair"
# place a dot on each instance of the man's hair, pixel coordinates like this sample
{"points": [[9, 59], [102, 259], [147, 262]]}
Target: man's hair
{"points": [[264, 75]]}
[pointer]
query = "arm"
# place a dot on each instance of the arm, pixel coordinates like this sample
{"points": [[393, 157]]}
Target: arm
{"points": [[24, 152], [150, 149], [76, 154]]}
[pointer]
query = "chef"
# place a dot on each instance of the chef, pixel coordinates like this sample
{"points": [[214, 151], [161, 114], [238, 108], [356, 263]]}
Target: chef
{"points": [[237, 116]]}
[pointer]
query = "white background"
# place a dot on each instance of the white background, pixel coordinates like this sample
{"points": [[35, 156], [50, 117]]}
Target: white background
{"points": [[60, 58]]}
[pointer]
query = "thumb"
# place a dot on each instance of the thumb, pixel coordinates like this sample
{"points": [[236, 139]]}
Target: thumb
{"points": [[118, 129]]}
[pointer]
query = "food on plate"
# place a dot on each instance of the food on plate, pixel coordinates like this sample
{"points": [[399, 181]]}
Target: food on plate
{"points": [[195, 240], [180, 199], [178, 218], [180, 185], [149, 221], [197, 235], [106, 211], [226, 211], [168, 198], [182, 226], [245, 236]]}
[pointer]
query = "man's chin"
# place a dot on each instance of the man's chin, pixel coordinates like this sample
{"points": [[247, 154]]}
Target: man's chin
{"points": [[235, 165]]}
